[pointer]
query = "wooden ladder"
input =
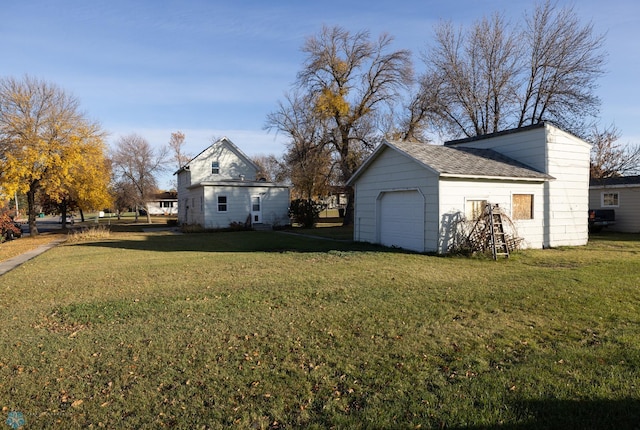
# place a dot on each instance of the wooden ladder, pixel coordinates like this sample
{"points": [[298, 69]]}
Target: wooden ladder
{"points": [[499, 244]]}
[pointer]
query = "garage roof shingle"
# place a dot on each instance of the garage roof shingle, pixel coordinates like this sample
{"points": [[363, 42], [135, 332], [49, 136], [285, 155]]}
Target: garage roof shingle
{"points": [[467, 162]]}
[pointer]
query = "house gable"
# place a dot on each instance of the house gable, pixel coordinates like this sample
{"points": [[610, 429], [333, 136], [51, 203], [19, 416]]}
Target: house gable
{"points": [[222, 161]]}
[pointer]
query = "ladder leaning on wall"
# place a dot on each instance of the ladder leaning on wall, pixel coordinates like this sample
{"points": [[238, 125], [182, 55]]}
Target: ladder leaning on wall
{"points": [[499, 244]]}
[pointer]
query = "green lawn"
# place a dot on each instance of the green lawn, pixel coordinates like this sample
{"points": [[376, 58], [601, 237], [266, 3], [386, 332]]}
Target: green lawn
{"points": [[271, 330]]}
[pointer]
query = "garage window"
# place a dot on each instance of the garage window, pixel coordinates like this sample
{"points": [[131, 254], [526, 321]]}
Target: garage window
{"points": [[474, 209], [522, 206]]}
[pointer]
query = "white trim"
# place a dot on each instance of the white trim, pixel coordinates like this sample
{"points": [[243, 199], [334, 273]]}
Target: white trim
{"points": [[602, 193]]}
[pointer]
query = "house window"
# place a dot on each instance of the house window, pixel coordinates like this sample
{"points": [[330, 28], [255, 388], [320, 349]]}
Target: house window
{"points": [[222, 203], [610, 200], [166, 204], [475, 209], [522, 206], [215, 167]]}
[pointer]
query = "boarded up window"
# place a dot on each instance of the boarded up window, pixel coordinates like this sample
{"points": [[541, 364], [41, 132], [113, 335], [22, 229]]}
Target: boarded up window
{"points": [[522, 207], [475, 209]]}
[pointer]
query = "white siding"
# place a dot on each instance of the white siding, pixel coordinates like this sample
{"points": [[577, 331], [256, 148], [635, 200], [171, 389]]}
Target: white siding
{"points": [[628, 210], [392, 171], [231, 164], [455, 193], [275, 205], [566, 158]]}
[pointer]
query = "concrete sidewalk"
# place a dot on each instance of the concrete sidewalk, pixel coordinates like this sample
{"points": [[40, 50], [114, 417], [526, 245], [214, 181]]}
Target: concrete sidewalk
{"points": [[12, 263]]}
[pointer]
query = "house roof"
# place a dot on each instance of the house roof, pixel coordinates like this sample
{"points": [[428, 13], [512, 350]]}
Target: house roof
{"points": [[459, 162], [232, 146], [620, 181]]}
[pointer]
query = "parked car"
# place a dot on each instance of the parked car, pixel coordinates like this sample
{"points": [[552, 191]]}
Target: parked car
{"points": [[70, 219], [599, 218], [9, 229]]}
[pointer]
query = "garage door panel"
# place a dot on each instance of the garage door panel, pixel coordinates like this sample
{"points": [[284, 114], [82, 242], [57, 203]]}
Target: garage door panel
{"points": [[402, 220]]}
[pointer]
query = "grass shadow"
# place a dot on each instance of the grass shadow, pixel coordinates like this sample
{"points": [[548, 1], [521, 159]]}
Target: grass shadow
{"points": [[539, 414], [241, 241]]}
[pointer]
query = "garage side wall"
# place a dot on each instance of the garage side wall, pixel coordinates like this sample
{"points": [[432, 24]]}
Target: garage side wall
{"points": [[457, 197], [565, 157], [393, 171]]}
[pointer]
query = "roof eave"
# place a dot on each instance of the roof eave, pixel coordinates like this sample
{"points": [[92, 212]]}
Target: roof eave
{"points": [[495, 178]]}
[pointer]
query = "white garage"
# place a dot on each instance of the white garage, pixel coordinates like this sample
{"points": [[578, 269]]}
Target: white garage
{"points": [[401, 222], [417, 195]]}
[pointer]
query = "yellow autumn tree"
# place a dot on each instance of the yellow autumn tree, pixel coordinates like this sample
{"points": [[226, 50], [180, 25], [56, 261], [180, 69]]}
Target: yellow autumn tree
{"points": [[48, 146]]}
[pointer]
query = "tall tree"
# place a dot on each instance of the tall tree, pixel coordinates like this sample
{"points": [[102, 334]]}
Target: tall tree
{"points": [[137, 164], [610, 158], [493, 76], [345, 84], [180, 157], [304, 166], [43, 137]]}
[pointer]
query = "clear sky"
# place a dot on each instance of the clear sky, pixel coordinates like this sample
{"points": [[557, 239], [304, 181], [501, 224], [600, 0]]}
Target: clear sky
{"points": [[217, 68]]}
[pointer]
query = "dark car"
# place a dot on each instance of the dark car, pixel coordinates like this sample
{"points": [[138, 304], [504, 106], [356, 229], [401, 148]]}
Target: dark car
{"points": [[9, 229], [599, 218]]}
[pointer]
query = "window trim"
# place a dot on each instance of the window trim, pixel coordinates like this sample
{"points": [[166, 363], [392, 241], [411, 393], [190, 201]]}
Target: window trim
{"points": [[224, 204], [531, 207], [215, 167], [617, 199], [469, 201]]}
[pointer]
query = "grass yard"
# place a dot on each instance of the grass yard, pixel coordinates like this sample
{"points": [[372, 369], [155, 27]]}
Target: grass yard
{"points": [[268, 330]]}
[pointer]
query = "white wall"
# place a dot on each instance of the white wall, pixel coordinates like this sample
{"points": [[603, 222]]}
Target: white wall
{"points": [[566, 158], [232, 165], [275, 205], [388, 172], [456, 193]]}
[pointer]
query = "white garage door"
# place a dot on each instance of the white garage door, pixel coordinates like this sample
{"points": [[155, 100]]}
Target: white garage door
{"points": [[402, 220]]}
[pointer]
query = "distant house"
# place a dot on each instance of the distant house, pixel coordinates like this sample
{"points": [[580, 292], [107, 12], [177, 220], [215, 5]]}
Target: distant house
{"points": [[218, 188], [164, 203], [621, 194], [414, 195]]}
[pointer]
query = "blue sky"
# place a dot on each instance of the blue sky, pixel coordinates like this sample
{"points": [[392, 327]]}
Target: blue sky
{"points": [[217, 68]]}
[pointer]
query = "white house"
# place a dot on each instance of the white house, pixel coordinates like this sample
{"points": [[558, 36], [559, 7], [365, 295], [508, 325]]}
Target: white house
{"points": [[414, 195], [219, 187], [163, 203], [622, 194]]}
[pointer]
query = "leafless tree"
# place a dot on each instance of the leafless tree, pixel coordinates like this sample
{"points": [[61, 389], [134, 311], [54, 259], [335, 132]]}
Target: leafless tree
{"points": [[137, 164], [176, 143], [495, 76], [271, 168], [302, 162], [347, 81], [564, 60], [180, 158], [610, 158]]}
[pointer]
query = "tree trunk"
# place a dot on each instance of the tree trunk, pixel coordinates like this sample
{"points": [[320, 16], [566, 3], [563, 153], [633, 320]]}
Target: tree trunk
{"points": [[31, 203], [349, 209]]}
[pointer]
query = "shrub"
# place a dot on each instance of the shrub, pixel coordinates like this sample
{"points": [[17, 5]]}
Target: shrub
{"points": [[8, 229], [305, 212], [90, 233]]}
